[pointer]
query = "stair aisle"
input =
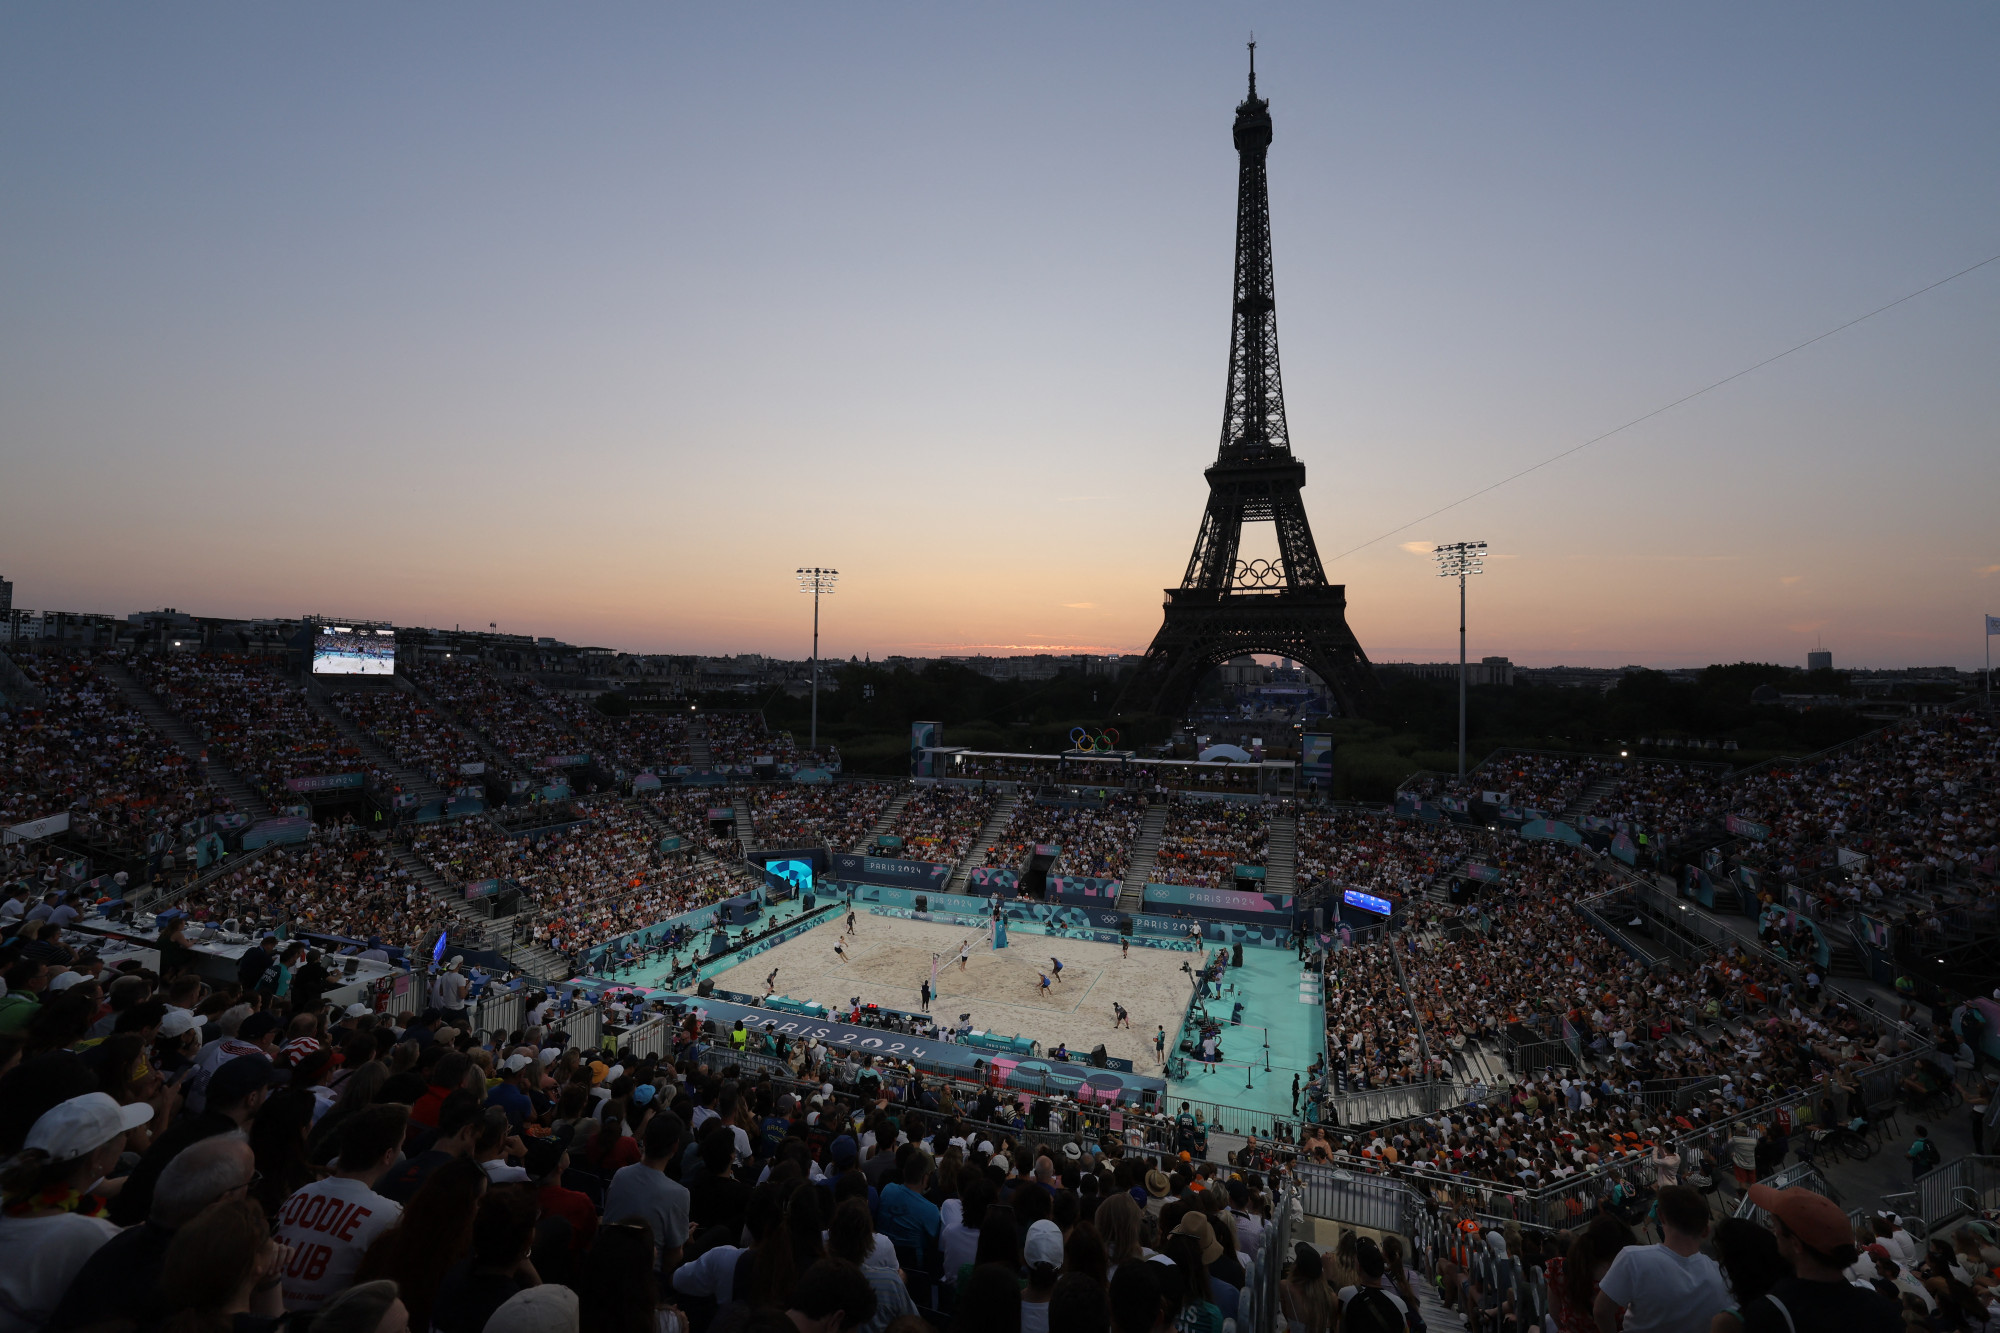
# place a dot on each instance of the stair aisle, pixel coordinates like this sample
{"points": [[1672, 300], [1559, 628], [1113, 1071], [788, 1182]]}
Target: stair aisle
{"points": [[412, 781], [218, 775], [652, 816], [1145, 854], [1281, 853], [746, 833], [989, 833], [699, 755], [494, 754], [890, 815], [1591, 795]]}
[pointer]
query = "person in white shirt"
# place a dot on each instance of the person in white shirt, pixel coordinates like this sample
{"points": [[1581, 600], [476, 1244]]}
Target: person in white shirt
{"points": [[330, 1223], [55, 1227], [1671, 1287]]}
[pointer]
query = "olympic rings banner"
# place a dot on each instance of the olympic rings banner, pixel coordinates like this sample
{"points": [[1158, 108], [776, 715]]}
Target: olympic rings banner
{"points": [[1085, 741]]}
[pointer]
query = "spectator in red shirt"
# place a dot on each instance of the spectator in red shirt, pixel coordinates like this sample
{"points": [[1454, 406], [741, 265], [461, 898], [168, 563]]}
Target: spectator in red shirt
{"points": [[546, 1160], [447, 1077]]}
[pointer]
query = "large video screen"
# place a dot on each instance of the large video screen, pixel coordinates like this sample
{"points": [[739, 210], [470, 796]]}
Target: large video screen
{"points": [[340, 650]]}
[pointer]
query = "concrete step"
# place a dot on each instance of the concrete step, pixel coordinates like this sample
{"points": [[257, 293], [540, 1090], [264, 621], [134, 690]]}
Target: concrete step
{"points": [[499, 758], [1145, 855], [412, 781], [1587, 801], [1281, 853], [890, 814], [218, 775], [989, 833]]}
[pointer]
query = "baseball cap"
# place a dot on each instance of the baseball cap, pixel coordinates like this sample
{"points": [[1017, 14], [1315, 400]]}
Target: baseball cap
{"points": [[178, 1023], [1044, 1245], [84, 1124], [843, 1149], [66, 980], [516, 1063], [238, 1078], [1815, 1219], [643, 1094], [257, 1024], [549, 1308], [297, 1049], [1002, 1162], [545, 1152], [357, 1010]]}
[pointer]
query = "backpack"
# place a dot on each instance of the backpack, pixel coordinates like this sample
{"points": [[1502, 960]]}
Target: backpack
{"points": [[1927, 1155], [1370, 1310]]}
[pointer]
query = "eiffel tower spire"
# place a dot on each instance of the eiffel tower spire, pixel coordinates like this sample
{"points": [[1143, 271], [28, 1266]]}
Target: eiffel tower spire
{"points": [[1225, 606], [1255, 477]]}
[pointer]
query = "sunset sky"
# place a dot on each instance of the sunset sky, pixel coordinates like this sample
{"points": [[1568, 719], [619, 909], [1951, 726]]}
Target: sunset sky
{"points": [[595, 321]]}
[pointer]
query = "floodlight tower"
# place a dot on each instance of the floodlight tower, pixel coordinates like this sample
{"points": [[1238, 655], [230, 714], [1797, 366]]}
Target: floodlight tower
{"points": [[819, 582], [1460, 559]]}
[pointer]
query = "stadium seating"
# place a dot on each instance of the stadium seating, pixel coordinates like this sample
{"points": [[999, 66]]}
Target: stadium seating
{"points": [[939, 823], [839, 816], [1204, 841], [414, 733], [253, 719], [1095, 842]]}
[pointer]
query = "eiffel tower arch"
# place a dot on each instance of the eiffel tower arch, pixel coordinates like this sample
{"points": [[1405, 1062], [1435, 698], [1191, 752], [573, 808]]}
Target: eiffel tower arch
{"points": [[1227, 606]]}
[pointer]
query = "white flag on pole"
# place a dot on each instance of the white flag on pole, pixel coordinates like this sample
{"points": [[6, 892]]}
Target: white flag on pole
{"points": [[1993, 625]]}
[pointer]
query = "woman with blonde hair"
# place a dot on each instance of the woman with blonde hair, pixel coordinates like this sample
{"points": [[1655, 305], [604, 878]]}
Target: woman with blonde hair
{"points": [[1118, 1220]]}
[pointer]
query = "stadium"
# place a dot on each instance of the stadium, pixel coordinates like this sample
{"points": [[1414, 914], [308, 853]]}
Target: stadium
{"points": [[615, 1004]]}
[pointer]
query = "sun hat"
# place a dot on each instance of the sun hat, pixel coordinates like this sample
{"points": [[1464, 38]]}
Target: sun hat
{"points": [[1195, 1223], [1157, 1184], [84, 1124]]}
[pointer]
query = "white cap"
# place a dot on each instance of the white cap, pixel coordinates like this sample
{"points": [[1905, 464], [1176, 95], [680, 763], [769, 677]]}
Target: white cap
{"points": [[1044, 1244], [81, 1125], [178, 1022], [357, 1010], [516, 1063], [551, 1054], [1002, 1163], [66, 980], [549, 1308], [986, 1146]]}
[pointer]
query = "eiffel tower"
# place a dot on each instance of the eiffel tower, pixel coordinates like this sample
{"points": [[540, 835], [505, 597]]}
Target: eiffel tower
{"points": [[1226, 606]]}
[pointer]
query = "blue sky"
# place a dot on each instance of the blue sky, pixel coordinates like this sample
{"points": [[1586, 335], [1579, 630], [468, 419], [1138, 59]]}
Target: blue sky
{"points": [[596, 322]]}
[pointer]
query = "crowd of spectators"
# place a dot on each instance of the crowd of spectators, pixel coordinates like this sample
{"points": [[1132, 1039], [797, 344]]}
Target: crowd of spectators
{"points": [[637, 741], [1204, 841], [1376, 855], [840, 815], [584, 882], [737, 737], [226, 1159], [415, 734], [85, 751], [341, 881], [1630, 1055], [1665, 801], [1096, 840], [939, 823], [504, 713], [252, 718], [686, 812]]}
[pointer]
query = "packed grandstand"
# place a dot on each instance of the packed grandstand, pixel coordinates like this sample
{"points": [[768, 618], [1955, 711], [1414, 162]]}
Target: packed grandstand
{"points": [[1561, 1049]]}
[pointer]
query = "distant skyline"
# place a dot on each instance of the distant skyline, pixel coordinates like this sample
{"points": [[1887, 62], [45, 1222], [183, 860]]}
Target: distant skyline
{"points": [[596, 323]]}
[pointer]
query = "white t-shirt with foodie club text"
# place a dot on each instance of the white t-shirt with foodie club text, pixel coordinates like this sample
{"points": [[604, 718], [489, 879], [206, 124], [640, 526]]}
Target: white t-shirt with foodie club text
{"points": [[1664, 1292], [329, 1225]]}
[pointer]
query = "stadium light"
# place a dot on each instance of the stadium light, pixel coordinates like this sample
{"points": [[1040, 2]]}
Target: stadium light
{"points": [[819, 582], [1458, 559]]}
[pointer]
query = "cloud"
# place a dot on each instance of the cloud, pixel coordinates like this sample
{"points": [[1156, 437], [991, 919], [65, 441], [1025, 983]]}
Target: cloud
{"points": [[1808, 626], [1081, 606], [1789, 579], [1419, 548], [1989, 569]]}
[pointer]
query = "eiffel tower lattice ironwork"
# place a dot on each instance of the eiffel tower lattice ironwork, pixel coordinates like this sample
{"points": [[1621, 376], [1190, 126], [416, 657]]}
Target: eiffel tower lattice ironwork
{"points": [[1226, 606]]}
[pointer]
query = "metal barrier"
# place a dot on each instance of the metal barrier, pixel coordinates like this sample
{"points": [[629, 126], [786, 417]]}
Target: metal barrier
{"points": [[1358, 1199], [501, 1011]]}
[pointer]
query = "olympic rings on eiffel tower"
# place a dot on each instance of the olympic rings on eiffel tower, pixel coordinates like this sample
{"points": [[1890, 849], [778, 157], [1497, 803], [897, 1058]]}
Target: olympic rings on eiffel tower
{"points": [[1259, 574], [1089, 742]]}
